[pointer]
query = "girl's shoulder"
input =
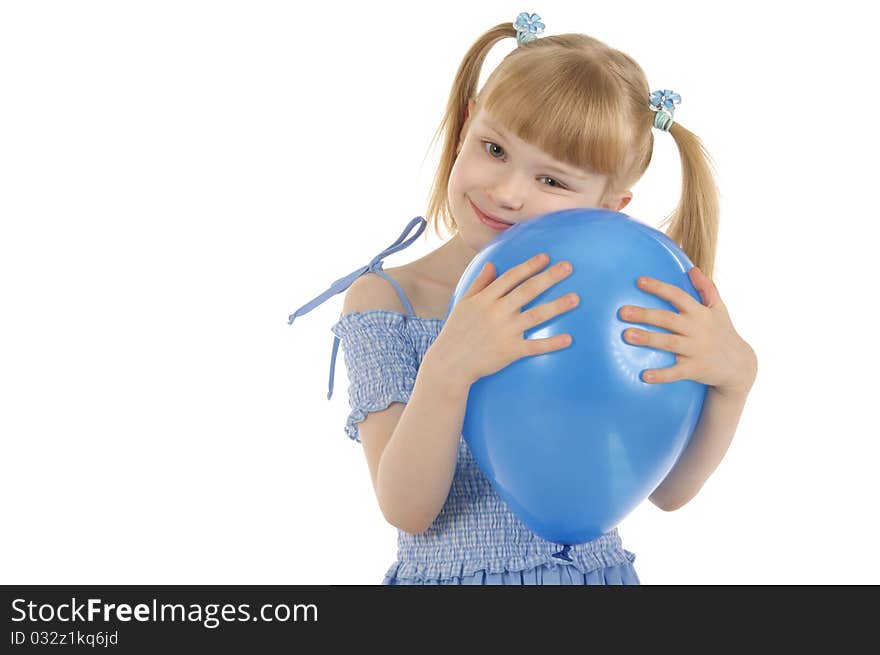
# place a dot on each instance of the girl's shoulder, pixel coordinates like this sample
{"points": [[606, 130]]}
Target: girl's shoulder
{"points": [[371, 292], [429, 298]]}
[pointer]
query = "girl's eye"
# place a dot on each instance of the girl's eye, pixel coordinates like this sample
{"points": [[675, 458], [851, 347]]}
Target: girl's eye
{"points": [[492, 147], [557, 184], [489, 145]]}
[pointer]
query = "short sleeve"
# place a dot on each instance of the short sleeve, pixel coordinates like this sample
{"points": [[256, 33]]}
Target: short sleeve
{"points": [[380, 359]]}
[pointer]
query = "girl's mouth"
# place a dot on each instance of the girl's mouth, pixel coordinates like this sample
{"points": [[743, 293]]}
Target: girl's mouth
{"points": [[487, 220]]}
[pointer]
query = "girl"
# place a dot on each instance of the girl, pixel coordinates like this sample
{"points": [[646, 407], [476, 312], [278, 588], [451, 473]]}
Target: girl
{"points": [[563, 122]]}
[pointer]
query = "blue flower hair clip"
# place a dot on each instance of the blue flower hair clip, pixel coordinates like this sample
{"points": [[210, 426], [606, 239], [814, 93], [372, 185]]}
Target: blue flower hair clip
{"points": [[663, 103], [528, 27]]}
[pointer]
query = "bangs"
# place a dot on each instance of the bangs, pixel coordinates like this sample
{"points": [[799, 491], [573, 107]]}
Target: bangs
{"points": [[564, 103]]}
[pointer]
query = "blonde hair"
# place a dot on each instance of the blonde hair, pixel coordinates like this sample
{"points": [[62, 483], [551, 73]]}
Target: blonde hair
{"points": [[586, 104]]}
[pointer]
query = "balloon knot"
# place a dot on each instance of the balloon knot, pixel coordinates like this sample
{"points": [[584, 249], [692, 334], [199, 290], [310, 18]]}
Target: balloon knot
{"points": [[563, 554]]}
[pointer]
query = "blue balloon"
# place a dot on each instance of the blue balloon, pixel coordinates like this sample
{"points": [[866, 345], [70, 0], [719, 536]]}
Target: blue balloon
{"points": [[573, 440]]}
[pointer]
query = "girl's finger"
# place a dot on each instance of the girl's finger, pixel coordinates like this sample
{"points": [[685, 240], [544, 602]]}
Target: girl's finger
{"points": [[671, 321], [512, 278], [483, 279], [669, 374], [679, 298], [660, 340], [706, 287], [545, 344]]}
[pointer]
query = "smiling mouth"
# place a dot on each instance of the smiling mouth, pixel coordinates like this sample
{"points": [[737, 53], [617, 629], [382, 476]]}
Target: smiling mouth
{"points": [[487, 216]]}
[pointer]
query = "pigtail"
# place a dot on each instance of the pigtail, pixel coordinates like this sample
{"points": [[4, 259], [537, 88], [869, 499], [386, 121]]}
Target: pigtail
{"points": [[464, 87], [694, 222]]}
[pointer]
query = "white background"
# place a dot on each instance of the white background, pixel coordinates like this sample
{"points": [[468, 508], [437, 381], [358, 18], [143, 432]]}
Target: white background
{"points": [[177, 177]]}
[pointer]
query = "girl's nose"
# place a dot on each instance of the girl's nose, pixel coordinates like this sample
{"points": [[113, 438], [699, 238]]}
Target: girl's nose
{"points": [[507, 193]]}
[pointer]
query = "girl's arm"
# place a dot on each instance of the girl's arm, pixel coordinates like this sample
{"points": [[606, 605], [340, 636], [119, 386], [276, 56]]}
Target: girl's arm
{"points": [[412, 448], [708, 445], [709, 350], [418, 463]]}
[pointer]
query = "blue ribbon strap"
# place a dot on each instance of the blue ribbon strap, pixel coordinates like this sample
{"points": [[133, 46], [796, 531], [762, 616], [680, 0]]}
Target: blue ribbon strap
{"points": [[343, 283]]}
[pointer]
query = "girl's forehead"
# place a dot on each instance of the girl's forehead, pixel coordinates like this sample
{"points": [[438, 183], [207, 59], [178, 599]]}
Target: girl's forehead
{"points": [[488, 120], [543, 157]]}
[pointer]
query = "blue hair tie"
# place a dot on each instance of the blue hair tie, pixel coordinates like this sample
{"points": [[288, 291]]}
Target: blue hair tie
{"points": [[663, 103], [528, 27]]}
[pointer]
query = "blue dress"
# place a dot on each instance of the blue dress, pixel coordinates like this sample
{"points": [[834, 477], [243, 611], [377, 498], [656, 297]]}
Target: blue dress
{"points": [[475, 539]]}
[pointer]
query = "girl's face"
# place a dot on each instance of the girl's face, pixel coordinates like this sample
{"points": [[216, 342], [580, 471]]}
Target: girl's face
{"points": [[499, 175]]}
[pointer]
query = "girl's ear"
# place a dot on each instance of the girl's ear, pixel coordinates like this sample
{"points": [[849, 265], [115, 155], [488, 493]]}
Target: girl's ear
{"points": [[618, 202]]}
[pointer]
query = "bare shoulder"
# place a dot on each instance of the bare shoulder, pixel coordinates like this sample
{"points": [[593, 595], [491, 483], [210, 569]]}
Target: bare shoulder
{"points": [[429, 299], [371, 291]]}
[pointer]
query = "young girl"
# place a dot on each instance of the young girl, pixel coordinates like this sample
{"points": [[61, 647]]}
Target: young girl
{"points": [[563, 122]]}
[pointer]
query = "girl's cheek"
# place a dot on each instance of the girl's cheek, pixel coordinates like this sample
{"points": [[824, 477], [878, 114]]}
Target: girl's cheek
{"points": [[462, 175], [476, 172]]}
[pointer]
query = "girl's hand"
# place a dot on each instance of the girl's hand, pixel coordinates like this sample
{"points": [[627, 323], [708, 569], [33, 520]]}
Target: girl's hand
{"points": [[484, 331], [707, 347]]}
